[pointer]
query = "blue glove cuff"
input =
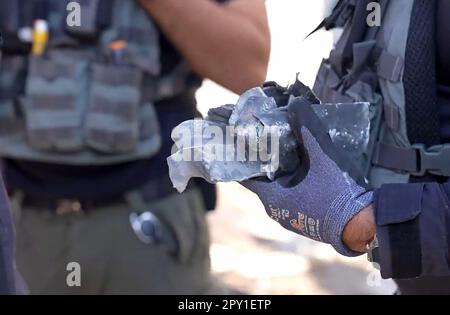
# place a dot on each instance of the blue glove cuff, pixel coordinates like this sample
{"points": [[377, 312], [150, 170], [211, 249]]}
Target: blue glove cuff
{"points": [[340, 213]]}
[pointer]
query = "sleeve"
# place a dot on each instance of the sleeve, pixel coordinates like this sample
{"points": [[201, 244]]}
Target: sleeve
{"points": [[413, 225], [6, 245], [11, 282]]}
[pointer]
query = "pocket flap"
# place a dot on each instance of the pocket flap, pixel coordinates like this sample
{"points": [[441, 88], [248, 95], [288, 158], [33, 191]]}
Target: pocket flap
{"points": [[398, 203], [51, 70]]}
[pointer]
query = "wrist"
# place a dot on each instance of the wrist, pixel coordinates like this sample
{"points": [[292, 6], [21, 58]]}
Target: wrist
{"points": [[360, 230], [344, 208]]}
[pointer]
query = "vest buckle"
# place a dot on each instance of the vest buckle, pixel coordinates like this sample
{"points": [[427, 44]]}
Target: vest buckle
{"points": [[434, 160]]}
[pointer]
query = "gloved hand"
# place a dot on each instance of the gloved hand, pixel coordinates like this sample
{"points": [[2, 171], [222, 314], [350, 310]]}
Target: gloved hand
{"points": [[324, 194]]}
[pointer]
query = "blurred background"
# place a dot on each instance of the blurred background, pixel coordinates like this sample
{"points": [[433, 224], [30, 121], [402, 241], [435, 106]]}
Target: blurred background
{"points": [[249, 252]]}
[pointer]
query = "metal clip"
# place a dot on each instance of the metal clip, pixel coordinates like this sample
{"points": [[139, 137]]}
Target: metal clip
{"points": [[147, 227]]}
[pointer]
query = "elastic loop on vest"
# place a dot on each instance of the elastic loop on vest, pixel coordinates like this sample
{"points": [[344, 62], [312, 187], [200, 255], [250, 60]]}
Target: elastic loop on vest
{"points": [[390, 67], [392, 116]]}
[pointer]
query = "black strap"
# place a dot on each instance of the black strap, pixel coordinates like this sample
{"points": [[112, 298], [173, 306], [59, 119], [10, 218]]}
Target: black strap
{"points": [[358, 29], [353, 50], [152, 191], [396, 158], [416, 160], [422, 115], [341, 58]]}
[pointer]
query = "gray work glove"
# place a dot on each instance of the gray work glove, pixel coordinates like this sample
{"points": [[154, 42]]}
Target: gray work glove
{"points": [[324, 194]]}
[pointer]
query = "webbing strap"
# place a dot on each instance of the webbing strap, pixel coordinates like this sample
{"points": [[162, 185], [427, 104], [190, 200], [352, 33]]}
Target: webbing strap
{"points": [[416, 160], [394, 157], [357, 42], [390, 67]]}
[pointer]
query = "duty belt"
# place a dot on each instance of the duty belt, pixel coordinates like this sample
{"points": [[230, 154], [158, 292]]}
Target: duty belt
{"points": [[150, 192]]}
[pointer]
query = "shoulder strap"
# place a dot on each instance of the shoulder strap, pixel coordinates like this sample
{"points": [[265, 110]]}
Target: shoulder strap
{"points": [[353, 15], [357, 32]]}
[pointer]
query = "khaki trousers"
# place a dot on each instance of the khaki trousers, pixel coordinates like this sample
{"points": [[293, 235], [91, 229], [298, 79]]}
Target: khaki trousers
{"points": [[111, 258]]}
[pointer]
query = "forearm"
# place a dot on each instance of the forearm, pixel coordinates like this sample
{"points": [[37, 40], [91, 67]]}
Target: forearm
{"points": [[228, 44]]}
